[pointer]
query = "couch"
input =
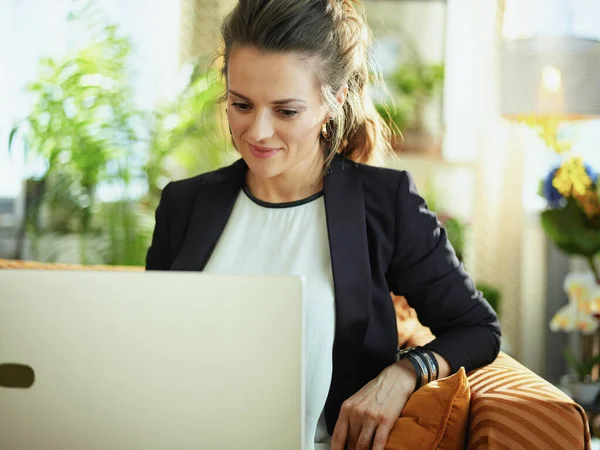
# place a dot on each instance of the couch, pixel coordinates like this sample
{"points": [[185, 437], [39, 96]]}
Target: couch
{"points": [[510, 406]]}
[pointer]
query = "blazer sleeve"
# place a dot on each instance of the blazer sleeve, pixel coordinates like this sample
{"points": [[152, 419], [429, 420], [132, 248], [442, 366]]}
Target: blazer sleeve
{"points": [[426, 271], [159, 253]]}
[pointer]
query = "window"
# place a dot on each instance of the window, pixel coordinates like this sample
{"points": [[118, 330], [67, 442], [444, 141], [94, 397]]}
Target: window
{"points": [[30, 29], [524, 18]]}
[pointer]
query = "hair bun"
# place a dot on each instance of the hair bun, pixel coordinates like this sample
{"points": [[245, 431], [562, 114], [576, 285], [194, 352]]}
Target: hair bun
{"points": [[342, 6]]}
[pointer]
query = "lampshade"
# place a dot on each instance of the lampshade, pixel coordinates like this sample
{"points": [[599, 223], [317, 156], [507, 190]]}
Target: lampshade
{"points": [[557, 77]]}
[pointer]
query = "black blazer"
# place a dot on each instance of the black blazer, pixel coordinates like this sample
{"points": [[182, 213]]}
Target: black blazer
{"points": [[382, 238]]}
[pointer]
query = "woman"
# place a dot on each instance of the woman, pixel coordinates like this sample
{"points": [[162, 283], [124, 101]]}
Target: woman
{"points": [[300, 202]]}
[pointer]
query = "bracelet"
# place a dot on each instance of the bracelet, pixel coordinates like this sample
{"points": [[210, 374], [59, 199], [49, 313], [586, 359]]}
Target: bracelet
{"points": [[426, 374], [419, 364], [418, 371], [431, 361]]}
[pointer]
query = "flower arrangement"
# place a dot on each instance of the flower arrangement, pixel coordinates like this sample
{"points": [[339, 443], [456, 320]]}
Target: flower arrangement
{"points": [[572, 222], [572, 216]]}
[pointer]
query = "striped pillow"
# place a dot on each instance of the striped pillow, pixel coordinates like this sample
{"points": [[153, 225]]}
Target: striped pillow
{"points": [[513, 408]]}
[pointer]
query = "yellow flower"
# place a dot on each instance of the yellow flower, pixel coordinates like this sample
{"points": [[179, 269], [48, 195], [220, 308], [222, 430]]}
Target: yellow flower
{"points": [[547, 129], [589, 203], [572, 178]]}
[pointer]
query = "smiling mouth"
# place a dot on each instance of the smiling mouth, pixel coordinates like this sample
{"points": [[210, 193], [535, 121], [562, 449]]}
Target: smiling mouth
{"points": [[263, 152], [263, 149]]}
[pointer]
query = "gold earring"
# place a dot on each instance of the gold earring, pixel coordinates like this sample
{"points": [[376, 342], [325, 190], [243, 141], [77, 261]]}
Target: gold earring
{"points": [[325, 132]]}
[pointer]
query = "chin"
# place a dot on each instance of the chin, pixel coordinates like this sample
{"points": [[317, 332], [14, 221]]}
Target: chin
{"points": [[268, 168]]}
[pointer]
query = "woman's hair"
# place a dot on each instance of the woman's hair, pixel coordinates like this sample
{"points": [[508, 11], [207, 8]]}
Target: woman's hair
{"points": [[335, 38]]}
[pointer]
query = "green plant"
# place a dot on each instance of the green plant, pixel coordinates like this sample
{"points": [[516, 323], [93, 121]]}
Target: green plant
{"points": [[396, 116], [456, 231], [187, 134], [582, 367], [492, 294], [413, 85], [81, 125], [128, 227], [86, 131], [571, 218]]}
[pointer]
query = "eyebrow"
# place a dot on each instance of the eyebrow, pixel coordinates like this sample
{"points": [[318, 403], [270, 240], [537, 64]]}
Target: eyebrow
{"points": [[276, 102]]}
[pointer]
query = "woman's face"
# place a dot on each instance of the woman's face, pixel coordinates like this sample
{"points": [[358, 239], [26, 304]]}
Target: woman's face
{"points": [[274, 110]]}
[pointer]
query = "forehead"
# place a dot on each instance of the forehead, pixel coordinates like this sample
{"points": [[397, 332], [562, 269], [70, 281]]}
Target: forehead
{"points": [[269, 76]]}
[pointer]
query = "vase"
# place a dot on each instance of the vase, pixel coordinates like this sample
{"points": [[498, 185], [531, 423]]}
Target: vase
{"points": [[590, 348], [583, 392]]}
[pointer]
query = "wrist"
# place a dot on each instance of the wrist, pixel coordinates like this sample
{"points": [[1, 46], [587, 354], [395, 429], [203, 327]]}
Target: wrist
{"points": [[423, 362], [408, 376]]}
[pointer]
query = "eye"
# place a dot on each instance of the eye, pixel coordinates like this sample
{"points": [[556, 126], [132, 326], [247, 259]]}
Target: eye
{"points": [[242, 107], [288, 113]]}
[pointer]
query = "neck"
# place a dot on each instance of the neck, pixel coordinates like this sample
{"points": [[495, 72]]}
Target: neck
{"points": [[299, 182]]}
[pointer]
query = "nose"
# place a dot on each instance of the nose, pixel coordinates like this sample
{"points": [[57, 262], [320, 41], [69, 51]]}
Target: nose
{"points": [[261, 127]]}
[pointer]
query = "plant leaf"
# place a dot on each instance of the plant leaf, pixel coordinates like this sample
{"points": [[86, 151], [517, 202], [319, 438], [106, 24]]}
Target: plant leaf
{"points": [[11, 137], [572, 361], [567, 227]]}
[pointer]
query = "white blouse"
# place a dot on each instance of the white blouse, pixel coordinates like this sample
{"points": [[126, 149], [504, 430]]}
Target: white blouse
{"points": [[289, 239]]}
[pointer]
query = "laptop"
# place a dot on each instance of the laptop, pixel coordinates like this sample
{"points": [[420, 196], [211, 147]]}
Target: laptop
{"points": [[150, 360]]}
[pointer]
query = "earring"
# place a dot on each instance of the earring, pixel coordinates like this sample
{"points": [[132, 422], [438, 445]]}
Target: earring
{"points": [[325, 132]]}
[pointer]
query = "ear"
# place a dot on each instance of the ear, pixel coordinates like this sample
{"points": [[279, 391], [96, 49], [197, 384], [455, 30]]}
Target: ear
{"points": [[341, 98], [341, 94]]}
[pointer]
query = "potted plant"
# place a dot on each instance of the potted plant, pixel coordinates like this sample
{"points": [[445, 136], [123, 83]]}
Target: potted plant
{"points": [[581, 316], [571, 220], [583, 389], [82, 122], [185, 139], [414, 84], [86, 131]]}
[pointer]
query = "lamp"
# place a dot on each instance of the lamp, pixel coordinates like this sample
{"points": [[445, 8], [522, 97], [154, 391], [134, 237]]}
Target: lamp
{"points": [[549, 80], [557, 77]]}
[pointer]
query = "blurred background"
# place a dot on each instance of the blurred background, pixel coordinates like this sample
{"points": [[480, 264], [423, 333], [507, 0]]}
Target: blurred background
{"points": [[104, 102]]}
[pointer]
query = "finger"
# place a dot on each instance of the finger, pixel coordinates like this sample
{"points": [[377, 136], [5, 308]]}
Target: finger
{"points": [[354, 429], [340, 432], [365, 439], [382, 434]]}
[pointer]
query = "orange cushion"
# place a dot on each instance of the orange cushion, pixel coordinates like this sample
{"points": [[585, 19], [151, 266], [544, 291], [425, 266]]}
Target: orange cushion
{"points": [[435, 416], [512, 407]]}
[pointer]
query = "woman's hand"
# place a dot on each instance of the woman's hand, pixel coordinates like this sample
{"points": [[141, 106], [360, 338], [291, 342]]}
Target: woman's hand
{"points": [[366, 418]]}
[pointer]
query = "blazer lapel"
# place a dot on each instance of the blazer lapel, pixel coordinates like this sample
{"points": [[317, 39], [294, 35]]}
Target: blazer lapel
{"points": [[211, 212], [345, 212]]}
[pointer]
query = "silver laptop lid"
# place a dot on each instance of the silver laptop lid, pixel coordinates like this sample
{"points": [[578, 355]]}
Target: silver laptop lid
{"points": [[154, 360]]}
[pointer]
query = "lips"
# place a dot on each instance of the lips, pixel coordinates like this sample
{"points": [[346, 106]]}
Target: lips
{"points": [[263, 152]]}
